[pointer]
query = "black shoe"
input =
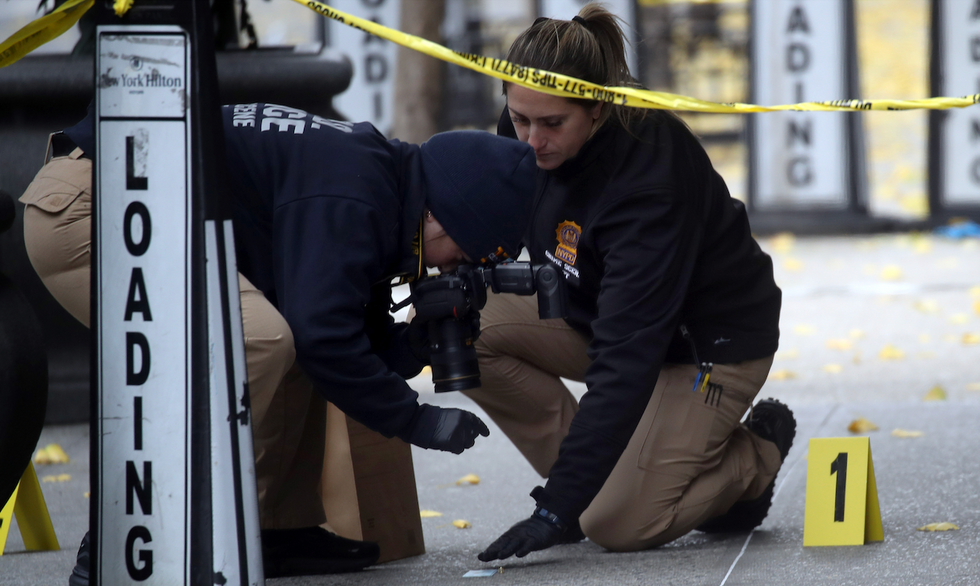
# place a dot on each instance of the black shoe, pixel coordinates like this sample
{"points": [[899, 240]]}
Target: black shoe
{"points": [[312, 551], [79, 574], [774, 422]]}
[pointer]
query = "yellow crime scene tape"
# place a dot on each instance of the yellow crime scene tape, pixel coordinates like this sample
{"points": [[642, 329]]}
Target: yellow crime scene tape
{"points": [[42, 30], [536, 79], [570, 87]]}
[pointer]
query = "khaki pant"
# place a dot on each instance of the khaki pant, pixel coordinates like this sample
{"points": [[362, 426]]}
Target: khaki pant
{"points": [[288, 416], [689, 459]]}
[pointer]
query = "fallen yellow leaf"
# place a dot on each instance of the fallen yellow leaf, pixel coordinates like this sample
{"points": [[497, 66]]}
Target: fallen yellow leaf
{"points": [[922, 246], [926, 305], [51, 454], [959, 318], [902, 240], [857, 358], [973, 386], [970, 339], [856, 334], [861, 425], [939, 527], [86, 494], [906, 433], [832, 368], [949, 338], [793, 264], [891, 273], [782, 375], [890, 352], [468, 479], [975, 292], [782, 242], [839, 344], [866, 244], [976, 307], [804, 329], [788, 354], [58, 478], [461, 524], [936, 393], [425, 513], [915, 205]]}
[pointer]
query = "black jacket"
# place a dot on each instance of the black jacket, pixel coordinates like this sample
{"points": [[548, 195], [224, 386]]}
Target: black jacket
{"points": [[649, 239], [325, 214]]}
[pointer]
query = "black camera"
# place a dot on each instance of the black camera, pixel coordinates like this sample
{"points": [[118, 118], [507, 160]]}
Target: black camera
{"points": [[450, 305]]}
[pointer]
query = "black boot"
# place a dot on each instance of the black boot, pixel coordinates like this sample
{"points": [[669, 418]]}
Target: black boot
{"points": [[312, 551], [285, 552], [774, 422], [79, 574]]}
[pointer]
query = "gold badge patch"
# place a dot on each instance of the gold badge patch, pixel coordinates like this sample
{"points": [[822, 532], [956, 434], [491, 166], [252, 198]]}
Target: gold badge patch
{"points": [[568, 234]]}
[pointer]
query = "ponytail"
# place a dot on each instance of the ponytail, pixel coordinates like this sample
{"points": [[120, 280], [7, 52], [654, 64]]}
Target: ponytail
{"points": [[591, 47]]}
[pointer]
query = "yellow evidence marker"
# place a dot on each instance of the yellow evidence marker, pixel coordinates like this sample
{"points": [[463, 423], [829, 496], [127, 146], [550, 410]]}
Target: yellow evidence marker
{"points": [[841, 494], [33, 519]]}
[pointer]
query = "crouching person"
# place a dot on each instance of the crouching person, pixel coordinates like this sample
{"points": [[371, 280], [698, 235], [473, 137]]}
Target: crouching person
{"points": [[327, 215], [673, 320]]}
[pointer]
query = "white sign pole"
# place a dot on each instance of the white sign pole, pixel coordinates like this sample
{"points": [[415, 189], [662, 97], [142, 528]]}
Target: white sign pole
{"points": [[954, 135], [143, 321], [234, 500], [371, 94], [173, 469], [804, 161]]}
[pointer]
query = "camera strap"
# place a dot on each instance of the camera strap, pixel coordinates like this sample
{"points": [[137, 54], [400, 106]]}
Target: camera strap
{"points": [[403, 303]]}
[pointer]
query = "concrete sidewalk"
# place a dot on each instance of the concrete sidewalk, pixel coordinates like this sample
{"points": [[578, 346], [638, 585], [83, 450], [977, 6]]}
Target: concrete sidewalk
{"points": [[869, 327]]}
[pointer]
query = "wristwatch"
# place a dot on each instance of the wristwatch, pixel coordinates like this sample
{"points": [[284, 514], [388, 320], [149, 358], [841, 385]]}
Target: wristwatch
{"points": [[549, 517]]}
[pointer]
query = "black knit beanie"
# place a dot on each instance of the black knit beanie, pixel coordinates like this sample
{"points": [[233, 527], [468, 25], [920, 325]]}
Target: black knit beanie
{"points": [[480, 187]]}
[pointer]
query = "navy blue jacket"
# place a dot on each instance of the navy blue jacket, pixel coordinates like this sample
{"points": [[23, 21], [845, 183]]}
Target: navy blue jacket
{"points": [[326, 214]]}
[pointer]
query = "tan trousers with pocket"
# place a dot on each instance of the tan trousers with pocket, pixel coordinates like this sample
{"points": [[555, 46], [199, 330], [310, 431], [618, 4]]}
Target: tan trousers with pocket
{"points": [[288, 415], [689, 459]]}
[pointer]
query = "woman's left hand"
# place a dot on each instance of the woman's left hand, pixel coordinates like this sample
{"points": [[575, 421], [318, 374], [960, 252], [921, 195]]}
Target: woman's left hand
{"points": [[532, 534]]}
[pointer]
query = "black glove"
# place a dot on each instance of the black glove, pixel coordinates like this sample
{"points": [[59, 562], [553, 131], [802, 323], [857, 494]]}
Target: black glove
{"points": [[538, 532], [449, 430]]}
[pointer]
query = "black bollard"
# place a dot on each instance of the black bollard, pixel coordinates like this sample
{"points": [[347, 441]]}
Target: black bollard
{"points": [[23, 375]]}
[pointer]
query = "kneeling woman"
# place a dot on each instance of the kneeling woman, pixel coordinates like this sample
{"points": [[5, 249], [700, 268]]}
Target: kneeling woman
{"points": [[673, 320]]}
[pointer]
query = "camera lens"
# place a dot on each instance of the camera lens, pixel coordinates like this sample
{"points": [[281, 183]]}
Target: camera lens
{"points": [[454, 362]]}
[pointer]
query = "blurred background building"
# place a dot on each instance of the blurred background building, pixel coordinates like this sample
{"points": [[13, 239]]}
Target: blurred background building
{"points": [[694, 48]]}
